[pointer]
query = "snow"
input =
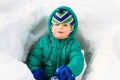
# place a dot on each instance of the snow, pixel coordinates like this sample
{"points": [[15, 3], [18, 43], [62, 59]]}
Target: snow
{"points": [[23, 22], [11, 69]]}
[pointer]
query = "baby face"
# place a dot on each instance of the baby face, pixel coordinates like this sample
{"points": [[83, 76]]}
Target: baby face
{"points": [[61, 31]]}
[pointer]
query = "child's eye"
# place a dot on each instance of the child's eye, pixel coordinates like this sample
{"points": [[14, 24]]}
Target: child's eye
{"points": [[56, 24], [65, 25]]}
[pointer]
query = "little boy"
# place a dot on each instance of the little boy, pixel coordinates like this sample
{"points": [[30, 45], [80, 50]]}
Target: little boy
{"points": [[58, 54]]}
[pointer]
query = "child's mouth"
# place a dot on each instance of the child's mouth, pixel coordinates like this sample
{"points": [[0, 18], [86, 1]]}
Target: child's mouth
{"points": [[60, 32]]}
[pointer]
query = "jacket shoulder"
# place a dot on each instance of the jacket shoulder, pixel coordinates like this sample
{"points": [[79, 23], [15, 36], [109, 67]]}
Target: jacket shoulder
{"points": [[44, 38], [74, 42]]}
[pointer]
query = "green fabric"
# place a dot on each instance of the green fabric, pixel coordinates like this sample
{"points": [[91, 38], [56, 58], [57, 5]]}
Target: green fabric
{"points": [[49, 53], [68, 19]]}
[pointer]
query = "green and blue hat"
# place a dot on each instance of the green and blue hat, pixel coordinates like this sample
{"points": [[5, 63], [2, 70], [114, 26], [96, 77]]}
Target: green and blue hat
{"points": [[63, 15]]}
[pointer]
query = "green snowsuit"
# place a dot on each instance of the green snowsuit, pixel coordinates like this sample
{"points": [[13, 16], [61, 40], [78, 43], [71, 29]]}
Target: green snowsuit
{"points": [[50, 52]]}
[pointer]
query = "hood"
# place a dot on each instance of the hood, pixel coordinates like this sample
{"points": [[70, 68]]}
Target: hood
{"points": [[72, 13]]}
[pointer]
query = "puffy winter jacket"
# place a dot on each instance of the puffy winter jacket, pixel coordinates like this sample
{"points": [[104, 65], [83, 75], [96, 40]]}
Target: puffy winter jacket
{"points": [[50, 52]]}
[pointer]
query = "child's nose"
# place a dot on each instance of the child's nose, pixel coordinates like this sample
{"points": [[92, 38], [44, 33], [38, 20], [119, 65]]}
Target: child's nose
{"points": [[60, 27]]}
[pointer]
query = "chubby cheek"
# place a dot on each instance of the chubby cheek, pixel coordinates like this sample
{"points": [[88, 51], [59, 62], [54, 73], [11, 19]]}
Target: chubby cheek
{"points": [[54, 31], [66, 33]]}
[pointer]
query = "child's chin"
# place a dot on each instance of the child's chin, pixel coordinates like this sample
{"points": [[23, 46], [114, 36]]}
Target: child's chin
{"points": [[60, 37]]}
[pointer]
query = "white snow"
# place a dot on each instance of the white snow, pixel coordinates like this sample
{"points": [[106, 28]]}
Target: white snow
{"points": [[11, 69], [22, 22]]}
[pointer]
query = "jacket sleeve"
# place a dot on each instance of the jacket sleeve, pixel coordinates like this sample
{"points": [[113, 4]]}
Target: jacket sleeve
{"points": [[35, 56], [76, 59]]}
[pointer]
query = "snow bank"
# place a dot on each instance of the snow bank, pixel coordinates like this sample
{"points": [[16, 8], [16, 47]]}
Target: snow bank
{"points": [[100, 34], [17, 20], [11, 69], [23, 22]]}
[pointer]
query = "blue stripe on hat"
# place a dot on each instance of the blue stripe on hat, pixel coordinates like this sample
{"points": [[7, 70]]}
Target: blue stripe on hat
{"points": [[62, 18], [72, 22]]}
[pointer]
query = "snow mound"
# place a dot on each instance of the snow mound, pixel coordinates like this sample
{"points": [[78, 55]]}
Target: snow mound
{"points": [[11, 69]]}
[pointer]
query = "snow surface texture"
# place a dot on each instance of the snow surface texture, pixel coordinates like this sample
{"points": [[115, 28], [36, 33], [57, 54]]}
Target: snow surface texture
{"points": [[23, 22], [11, 69]]}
